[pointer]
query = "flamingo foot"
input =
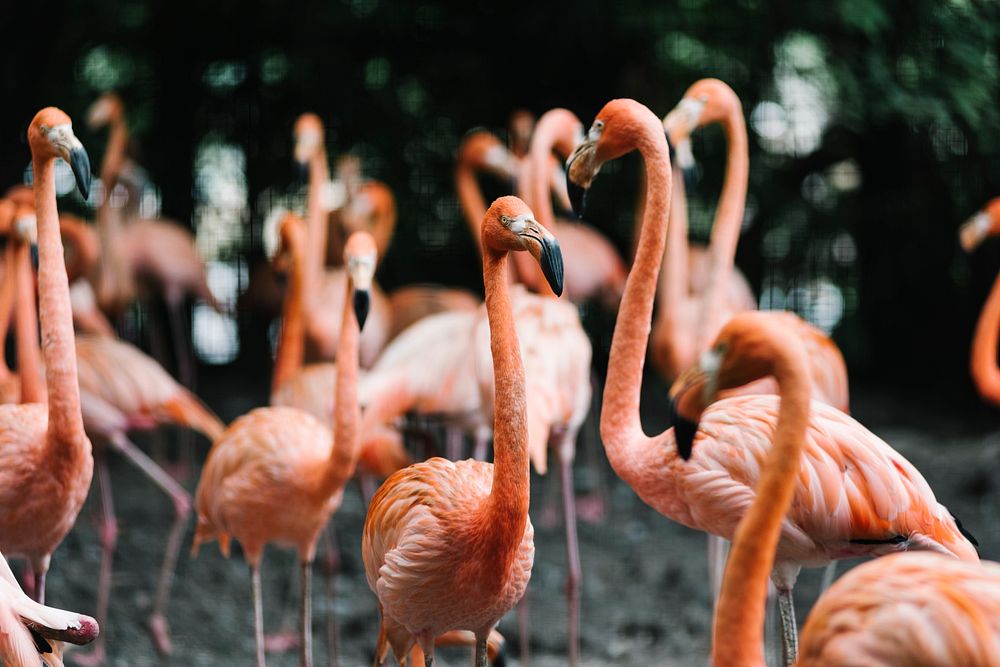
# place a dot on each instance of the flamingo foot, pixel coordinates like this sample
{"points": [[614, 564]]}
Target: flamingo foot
{"points": [[160, 633], [282, 642], [95, 657], [592, 508]]}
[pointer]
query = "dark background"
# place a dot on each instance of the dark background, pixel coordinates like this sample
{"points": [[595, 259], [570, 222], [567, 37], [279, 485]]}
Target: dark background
{"points": [[910, 90]]}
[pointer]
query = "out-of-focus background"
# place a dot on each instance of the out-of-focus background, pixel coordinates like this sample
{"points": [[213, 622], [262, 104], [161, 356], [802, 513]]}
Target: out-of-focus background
{"points": [[872, 133]]}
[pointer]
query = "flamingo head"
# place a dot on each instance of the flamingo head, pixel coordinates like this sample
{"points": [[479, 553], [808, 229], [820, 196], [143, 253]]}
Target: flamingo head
{"points": [[510, 226], [481, 150], [309, 137], [984, 223], [360, 256], [106, 109], [610, 136], [520, 127], [751, 346], [291, 242], [50, 135]]}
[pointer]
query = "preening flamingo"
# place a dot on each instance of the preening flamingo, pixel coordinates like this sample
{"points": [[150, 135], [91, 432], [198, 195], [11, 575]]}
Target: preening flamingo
{"points": [[983, 361], [858, 622], [46, 462], [449, 545], [325, 288], [28, 628], [277, 474], [133, 249], [855, 495]]}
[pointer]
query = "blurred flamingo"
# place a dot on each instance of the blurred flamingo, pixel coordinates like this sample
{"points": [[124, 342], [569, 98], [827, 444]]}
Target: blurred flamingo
{"points": [[842, 509], [45, 457], [983, 361], [277, 474], [28, 628], [159, 252], [449, 545], [856, 622], [326, 287]]}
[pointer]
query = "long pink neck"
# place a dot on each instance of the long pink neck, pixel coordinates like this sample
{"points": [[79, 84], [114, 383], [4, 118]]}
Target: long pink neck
{"points": [[290, 355], [347, 414], [65, 421], [620, 426], [29, 358], [983, 363], [470, 198], [677, 344], [738, 638], [316, 220], [7, 296], [505, 513], [726, 228], [114, 154]]}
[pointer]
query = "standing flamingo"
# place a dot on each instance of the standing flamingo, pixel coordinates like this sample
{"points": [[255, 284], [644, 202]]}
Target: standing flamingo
{"points": [[983, 361], [325, 288], [449, 545], [277, 475], [865, 617], [843, 509], [28, 628], [45, 456], [133, 248]]}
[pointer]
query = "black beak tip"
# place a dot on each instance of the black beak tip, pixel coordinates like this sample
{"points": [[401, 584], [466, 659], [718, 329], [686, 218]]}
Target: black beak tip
{"points": [[577, 196], [362, 303], [79, 162], [684, 432], [552, 265]]}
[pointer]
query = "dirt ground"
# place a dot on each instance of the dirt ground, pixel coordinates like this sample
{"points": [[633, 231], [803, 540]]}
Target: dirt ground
{"points": [[644, 597]]}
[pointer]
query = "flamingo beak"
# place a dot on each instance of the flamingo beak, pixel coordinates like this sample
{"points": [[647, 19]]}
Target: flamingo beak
{"points": [[577, 194], [974, 231], [552, 264], [685, 429], [79, 162], [362, 303]]}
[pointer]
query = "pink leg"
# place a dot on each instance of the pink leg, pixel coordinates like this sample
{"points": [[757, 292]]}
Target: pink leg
{"points": [[523, 629], [331, 562], [306, 631], [258, 613], [565, 445], [109, 538], [287, 637], [39, 586], [182, 509]]}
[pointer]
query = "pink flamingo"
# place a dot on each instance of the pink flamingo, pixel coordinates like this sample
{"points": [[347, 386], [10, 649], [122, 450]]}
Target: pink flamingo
{"points": [[277, 475], [325, 288], [449, 545], [875, 615], [28, 628], [133, 248], [983, 360], [45, 457], [842, 509]]}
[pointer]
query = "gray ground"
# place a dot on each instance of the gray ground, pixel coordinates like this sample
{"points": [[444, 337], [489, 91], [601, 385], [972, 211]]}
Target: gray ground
{"points": [[644, 594]]}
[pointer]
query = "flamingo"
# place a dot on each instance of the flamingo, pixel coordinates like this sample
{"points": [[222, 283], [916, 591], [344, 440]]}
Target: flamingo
{"points": [[28, 628], [855, 495], [46, 461], [983, 361], [449, 545], [325, 288], [277, 475], [878, 614], [136, 248]]}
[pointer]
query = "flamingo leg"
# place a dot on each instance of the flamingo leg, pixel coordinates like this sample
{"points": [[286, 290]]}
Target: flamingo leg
{"points": [[306, 636], [786, 606], [331, 564], [718, 554], [427, 646], [157, 622], [258, 613], [287, 637], [829, 574], [40, 585], [481, 656], [565, 448], [522, 629], [109, 537]]}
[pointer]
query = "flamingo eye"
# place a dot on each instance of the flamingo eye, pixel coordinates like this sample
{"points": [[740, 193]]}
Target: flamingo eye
{"points": [[505, 220]]}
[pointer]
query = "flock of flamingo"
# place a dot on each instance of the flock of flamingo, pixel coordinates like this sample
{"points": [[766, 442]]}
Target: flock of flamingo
{"points": [[762, 452]]}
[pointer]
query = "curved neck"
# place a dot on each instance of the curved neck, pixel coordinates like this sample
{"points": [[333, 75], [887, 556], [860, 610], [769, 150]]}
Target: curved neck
{"points": [[65, 421], [290, 355], [983, 363], [114, 154], [672, 290], [29, 356], [621, 429], [470, 199], [383, 215], [726, 226], [738, 638], [346, 414], [316, 219], [7, 296], [506, 510]]}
